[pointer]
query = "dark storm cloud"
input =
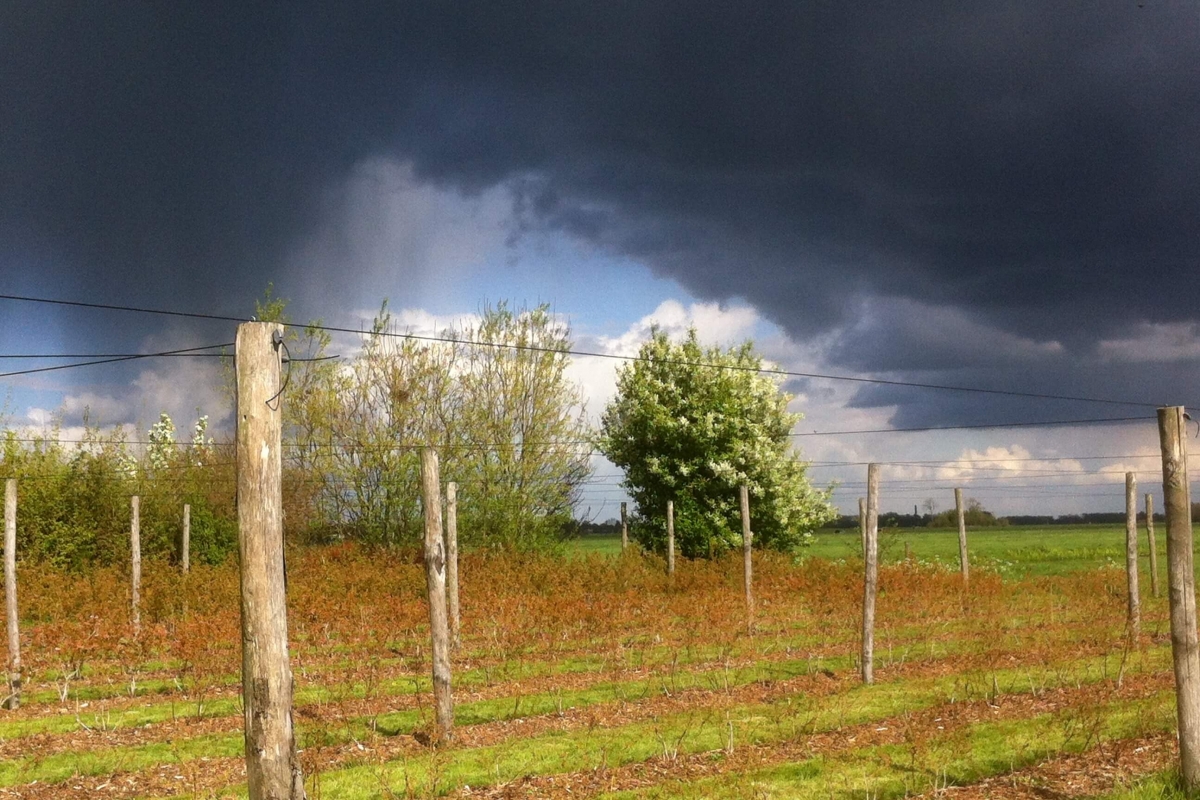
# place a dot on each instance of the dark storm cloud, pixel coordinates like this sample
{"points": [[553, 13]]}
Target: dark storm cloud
{"points": [[1033, 165]]}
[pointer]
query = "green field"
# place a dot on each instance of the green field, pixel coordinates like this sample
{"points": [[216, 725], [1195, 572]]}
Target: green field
{"points": [[1015, 551]]}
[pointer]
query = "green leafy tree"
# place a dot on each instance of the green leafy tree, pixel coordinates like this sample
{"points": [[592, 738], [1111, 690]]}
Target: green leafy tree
{"points": [[518, 433], [691, 424], [493, 399]]}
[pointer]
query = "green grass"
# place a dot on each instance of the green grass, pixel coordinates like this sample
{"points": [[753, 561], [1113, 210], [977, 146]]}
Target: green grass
{"points": [[1159, 786], [701, 731], [958, 758], [1015, 551]]}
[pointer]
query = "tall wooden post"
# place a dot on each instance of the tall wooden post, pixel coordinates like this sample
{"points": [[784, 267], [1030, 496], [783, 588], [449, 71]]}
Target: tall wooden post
{"points": [[435, 585], [185, 548], [624, 528], [452, 563], [13, 701], [1181, 587], [963, 563], [272, 765], [670, 537], [862, 523], [1131, 556], [1153, 545], [135, 562], [747, 558], [870, 574]]}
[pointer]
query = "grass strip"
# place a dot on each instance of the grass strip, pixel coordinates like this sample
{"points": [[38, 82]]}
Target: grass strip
{"points": [[691, 732], [957, 758]]}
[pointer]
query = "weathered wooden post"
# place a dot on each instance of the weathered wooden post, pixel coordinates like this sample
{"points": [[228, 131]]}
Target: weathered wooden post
{"points": [[862, 524], [13, 701], [272, 764], [435, 585], [1153, 545], [452, 563], [135, 562], [1181, 588], [624, 528], [963, 563], [185, 549], [1134, 615], [747, 559], [870, 574], [671, 538]]}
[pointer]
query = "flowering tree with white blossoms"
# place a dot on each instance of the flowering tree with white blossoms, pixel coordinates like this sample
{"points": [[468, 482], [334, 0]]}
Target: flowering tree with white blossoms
{"points": [[161, 450], [692, 424]]}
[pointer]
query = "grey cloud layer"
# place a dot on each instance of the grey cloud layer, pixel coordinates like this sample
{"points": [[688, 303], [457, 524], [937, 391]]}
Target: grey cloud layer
{"points": [[1031, 167]]}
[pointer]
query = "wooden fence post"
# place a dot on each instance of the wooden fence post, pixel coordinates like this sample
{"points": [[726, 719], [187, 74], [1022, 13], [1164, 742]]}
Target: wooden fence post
{"points": [[963, 563], [1131, 556], [435, 585], [1153, 545], [671, 537], [1181, 587], [862, 524], [13, 701], [624, 528], [135, 562], [870, 574], [272, 764], [185, 550], [747, 558], [452, 563]]}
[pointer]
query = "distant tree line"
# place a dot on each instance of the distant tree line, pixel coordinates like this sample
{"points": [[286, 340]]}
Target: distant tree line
{"points": [[978, 517]]}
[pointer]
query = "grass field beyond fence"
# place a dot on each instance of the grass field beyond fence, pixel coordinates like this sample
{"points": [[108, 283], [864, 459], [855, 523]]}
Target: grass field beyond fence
{"points": [[1014, 551]]}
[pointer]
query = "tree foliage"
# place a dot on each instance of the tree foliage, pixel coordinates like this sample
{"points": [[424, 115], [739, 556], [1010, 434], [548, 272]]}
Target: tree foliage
{"points": [[974, 516], [74, 499], [494, 400], [692, 424]]}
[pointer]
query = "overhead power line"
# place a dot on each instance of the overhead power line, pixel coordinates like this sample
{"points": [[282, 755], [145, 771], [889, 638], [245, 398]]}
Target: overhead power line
{"points": [[322, 446], [114, 359], [589, 354], [953, 463], [48, 356], [985, 426]]}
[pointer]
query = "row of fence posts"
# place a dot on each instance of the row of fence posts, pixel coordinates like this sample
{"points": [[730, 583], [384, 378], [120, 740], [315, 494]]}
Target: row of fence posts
{"points": [[1181, 588], [272, 762], [868, 527], [12, 617]]}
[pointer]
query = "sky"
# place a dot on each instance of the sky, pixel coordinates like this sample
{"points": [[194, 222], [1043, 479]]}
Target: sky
{"points": [[1002, 195]]}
